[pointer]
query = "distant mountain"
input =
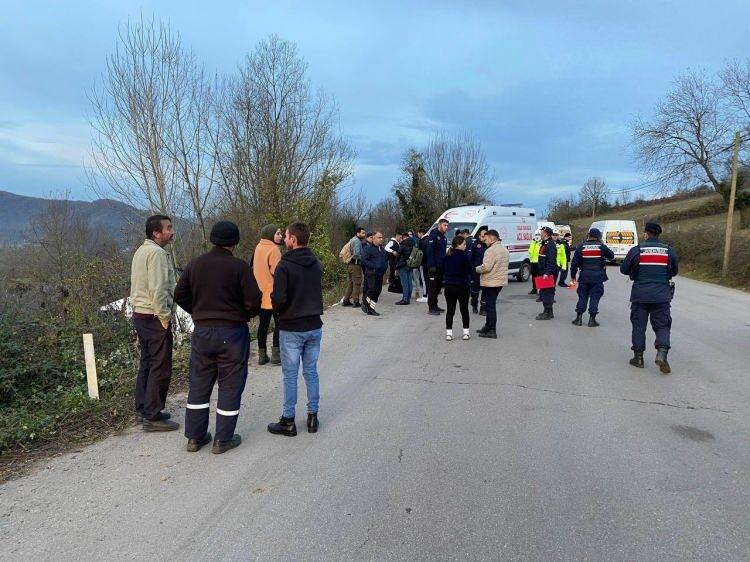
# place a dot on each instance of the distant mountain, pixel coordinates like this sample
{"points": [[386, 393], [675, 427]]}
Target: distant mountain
{"points": [[102, 214]]}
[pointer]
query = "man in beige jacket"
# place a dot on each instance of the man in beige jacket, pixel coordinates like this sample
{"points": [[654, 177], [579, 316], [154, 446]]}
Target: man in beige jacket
{"points": [[152, 283], [493, 276]]}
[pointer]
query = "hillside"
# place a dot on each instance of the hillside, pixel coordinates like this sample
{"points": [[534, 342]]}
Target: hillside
{"points": [[695, 226], [17, 210]]}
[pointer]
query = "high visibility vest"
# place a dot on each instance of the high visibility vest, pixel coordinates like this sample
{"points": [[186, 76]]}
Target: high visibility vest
{"points": [[653, 262], [562, 258], [534, 248]]}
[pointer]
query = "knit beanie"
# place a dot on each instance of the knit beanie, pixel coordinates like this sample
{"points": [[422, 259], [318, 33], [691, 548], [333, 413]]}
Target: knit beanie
{"points": [[268, 232], [225, 233]]}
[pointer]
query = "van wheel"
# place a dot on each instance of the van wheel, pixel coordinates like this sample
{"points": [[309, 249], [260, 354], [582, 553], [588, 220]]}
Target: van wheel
{"points": [[524, 272]]}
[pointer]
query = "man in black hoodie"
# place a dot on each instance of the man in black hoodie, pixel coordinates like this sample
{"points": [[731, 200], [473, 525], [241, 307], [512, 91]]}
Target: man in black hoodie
{"points": [[221, 294], [297, 298]]}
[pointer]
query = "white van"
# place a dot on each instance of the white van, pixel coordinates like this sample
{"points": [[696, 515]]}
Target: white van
{"points": [[542, 224], [516, 226], [619, 236]]}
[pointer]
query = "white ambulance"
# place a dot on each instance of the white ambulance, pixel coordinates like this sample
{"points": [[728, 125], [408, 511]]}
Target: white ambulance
{"points": [[516, 226], [619, 236]]}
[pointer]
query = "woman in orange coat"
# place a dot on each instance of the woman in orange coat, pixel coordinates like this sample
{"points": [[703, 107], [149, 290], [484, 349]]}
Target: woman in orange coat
{"points": [[265, 259]]}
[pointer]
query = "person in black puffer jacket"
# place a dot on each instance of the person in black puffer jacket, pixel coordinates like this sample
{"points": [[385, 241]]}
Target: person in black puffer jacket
{"points": [[404, 271], [457, 272]]}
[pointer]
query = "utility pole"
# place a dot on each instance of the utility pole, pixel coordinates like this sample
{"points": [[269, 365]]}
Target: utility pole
{"points": [[730, 212]]}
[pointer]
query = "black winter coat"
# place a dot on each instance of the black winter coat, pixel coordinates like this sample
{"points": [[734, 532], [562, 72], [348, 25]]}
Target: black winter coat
{"points": [[374, 259], [297, 295], [218, 289], [404, 251]]}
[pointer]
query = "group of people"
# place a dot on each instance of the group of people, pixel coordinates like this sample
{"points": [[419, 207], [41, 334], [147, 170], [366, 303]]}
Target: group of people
{"points": [[222, 293], [474, 266], [424, 266]]}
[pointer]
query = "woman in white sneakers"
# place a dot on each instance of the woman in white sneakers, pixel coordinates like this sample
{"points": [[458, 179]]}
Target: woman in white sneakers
{"points": [[456, 282]]}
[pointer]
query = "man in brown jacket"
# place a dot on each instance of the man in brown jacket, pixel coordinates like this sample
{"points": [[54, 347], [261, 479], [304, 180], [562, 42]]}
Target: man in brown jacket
{"points": [[152, 282], [493, 276]]}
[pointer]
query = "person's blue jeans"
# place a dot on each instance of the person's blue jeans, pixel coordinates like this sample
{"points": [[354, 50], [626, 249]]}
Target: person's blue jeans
{"points": [[406, 282], [296, 348]]}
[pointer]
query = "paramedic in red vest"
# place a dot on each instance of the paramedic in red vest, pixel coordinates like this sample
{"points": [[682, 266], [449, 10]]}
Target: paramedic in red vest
{"points": [[547, 268], [589, 263], [651, 266]]}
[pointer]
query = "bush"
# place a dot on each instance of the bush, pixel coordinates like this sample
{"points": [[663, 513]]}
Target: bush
{"points": [[43, 390]]}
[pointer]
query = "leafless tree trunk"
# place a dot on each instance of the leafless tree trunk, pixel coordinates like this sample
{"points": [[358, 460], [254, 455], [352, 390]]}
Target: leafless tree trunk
{"points": [[593, 193], [690, 136], [457, 168]]}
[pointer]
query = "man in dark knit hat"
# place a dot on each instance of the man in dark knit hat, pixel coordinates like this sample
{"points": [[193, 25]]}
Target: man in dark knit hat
{"points": [[589, 265], [651, 266], [220, 292]]}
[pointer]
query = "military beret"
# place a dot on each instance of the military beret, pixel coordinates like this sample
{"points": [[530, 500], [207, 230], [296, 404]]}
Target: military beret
{"points": [[653, 228]]}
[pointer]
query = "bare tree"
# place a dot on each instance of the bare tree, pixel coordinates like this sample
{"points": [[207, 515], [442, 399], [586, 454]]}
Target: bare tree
{"points": [[279, 141], [456, 167], [151, 119], [690, 136], [593, 193], [131, 114]]}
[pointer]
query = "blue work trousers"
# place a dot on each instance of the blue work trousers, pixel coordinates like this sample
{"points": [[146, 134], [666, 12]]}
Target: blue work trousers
{"points": [[661, 323], [589, 294]]}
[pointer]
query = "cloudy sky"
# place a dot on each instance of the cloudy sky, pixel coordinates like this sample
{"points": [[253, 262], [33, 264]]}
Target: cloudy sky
{"points": [[548, 87]]}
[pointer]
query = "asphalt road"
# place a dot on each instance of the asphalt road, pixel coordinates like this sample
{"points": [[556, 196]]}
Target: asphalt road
{"points": [[542, 445]]}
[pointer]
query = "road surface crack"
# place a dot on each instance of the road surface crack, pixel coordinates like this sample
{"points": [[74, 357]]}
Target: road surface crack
{"points": [[564, 393]]}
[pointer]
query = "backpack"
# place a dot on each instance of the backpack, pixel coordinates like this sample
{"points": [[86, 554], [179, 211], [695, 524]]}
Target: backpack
{"points": [[415, 258], [345, 255]]}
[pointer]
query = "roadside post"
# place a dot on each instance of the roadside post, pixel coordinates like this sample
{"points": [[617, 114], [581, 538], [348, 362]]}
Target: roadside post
{"points": [[88, 352], [730, 212]]}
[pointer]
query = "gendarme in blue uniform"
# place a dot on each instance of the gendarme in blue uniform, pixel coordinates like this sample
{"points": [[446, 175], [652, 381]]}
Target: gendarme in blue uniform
{"points": [[589, 268], [651, 266]]}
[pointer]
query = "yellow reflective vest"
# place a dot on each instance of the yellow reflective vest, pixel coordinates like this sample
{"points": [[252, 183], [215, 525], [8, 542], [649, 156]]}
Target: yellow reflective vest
{"points": [[534, 248], [562, 258]]}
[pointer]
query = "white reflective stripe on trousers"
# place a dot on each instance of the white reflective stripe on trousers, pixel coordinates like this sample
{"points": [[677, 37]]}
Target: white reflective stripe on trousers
{"points": [[227, 412], [197, 406]]}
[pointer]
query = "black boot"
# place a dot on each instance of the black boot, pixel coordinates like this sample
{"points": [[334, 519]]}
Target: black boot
{"points": [[346, 302], [312, 423], [592, 321], [220, 447], [275, 356], [285, 426], [546, 314], [355, 304], [488, 334], [661, 360], [474, 309], [160, 425], [637, 360], [578, 321], [162, 416], [483, 330], [262, 356], [194, 445], [551, 312], [533, 291]]}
